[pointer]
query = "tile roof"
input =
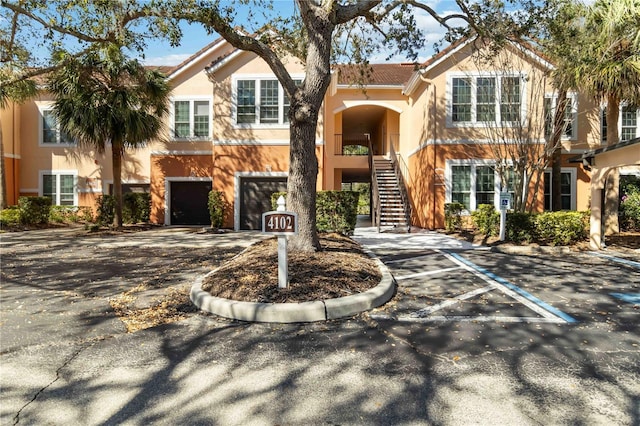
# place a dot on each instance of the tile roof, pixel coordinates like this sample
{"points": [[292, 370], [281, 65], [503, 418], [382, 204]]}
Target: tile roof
{"points": [[376, 74]]}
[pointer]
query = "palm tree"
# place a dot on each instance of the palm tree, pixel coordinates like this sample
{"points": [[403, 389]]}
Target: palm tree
{"points": [[609, 70], [105, 98]]}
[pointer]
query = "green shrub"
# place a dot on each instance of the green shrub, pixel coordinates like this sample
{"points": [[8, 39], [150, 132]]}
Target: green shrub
{"points": [[274, 199], [85, 214], [10, 216], [106, 209], [336, 211], [63, 214], [560, 228], [217, 208], [520, 227], [629, 184], [453, 216], [136, 207], [630, 212], [486, 219], [34, 210]]}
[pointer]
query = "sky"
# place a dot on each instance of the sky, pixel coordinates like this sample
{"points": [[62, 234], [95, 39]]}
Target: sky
{"points": [[195, 37]]}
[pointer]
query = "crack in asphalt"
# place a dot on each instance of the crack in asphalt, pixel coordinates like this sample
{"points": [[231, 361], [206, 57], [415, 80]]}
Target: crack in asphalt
{"points": [[85, 345]]}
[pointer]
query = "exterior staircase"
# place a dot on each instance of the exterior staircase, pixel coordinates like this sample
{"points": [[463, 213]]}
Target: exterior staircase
{"points": [[392, 209]]}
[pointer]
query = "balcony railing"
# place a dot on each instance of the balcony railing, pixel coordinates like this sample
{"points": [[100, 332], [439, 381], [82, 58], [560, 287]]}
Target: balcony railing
{"points": [[352, 144]]}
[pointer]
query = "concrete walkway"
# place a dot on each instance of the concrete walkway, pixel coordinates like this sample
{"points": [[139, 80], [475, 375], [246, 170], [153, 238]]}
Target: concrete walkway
{"points": [[417, 239]]}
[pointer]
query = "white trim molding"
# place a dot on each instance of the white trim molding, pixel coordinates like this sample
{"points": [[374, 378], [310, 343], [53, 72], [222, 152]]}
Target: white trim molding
{"points": [[160, 153], [236, 191], [58, 173], [351, 104], [430, 142], [191, 99]]}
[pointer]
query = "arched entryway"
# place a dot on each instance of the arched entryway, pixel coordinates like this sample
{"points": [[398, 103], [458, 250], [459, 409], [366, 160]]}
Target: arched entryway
{"points": [[603, 161]]}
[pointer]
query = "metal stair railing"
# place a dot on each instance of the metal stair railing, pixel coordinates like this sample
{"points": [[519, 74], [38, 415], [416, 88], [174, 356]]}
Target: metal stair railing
{"points": [[406, 204], [376, 209]]}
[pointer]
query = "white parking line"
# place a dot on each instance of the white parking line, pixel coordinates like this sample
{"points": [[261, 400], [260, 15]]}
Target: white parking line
{"points": [[516, 293], [404, 259], [425, 273], [429, 310], [461, 318]]}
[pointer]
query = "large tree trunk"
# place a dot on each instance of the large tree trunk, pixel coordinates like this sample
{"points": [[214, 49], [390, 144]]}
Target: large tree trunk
{"points": [[303, 115], [612, 192], [301, 185], [117, 152]]}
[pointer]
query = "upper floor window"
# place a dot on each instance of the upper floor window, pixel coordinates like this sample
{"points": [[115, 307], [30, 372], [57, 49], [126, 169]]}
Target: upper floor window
{"points": [[191, 118], [629, 119], [628, 123], [485, 99], [261, 101], [60, 186], [50, 132], [570, 120]]}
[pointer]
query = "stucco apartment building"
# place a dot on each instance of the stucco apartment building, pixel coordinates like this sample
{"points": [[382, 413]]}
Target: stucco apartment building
{"points": [[228, 131]]}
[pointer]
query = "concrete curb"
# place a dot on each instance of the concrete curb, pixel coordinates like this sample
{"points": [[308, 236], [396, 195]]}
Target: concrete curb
{"points": [[320, 310], [531, 250]]}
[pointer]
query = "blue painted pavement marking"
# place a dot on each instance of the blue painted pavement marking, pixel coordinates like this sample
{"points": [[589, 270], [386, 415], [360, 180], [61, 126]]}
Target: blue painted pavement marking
{"points": [[616, 259], [517, 289], [628, 297]]}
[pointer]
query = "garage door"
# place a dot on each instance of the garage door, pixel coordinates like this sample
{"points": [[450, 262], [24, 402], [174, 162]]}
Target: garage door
{"points": [[255, 199], [189, 203]]}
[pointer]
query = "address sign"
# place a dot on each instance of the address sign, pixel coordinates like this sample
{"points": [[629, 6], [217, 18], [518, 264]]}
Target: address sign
{"points": [[280, 223]]}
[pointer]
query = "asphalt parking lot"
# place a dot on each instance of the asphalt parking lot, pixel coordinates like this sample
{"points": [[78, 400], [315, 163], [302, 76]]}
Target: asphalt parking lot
{"points": [[471, 337]]}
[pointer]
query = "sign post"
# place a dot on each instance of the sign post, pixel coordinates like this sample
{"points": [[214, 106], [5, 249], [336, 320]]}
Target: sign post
{"points": [[505, 204], [281, 223]]}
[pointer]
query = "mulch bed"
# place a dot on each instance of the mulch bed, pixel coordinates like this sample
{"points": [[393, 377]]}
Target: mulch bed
{"points": [[340, 269]]}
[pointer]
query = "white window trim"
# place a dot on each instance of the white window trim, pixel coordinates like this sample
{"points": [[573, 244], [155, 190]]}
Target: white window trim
{"points": [[48, 106], [236, 191], [574, 186], [622, 105], [172, 114], [258, 78], [472, 198], [474, 76], [167, 192], [574, 113], [56, 202]]}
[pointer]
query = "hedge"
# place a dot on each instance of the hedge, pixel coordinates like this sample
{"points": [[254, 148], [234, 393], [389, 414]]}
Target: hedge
{"points": [[336, 211], [34, 210]]}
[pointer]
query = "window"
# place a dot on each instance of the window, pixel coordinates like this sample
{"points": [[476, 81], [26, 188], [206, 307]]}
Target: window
{"points": [[628, 124], [629, 118], [570, 123], [246, 102], [475, 182], [261, 102], [461, 104], [485, 99], [191, 119], [60, 187], [567, 189], [461, 185], [50, 130]]}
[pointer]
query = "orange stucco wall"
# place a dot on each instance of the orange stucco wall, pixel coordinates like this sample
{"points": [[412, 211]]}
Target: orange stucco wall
{"points": [[167, 166], [427, 188]]}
